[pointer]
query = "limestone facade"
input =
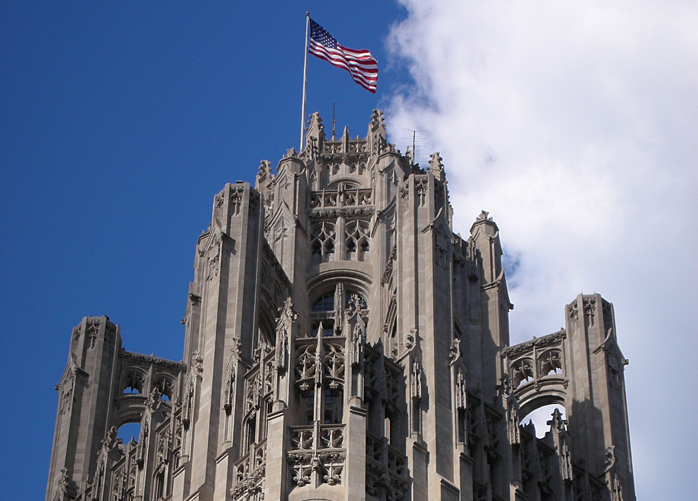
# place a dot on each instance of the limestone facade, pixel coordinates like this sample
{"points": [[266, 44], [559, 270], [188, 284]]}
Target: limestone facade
{"points": [[342, 343]]}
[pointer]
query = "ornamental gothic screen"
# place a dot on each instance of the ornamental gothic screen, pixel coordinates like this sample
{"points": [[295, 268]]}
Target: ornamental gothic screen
{"points": [[342, 343]]}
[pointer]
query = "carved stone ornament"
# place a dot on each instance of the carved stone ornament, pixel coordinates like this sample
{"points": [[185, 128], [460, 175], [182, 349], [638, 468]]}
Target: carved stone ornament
{"points": [[590, 311], [229, 395], [264, 176], [92, 332], [153, 402], [213, 260], [197, 362], [416, 380], [405, 190], [388, 271], [513, 420], [454, 352], [65, 485], [358, 338], [609, 459], [421, 189], [111, 439], [540, 342], [484, 216], [616, 488], [436, 167], [332, 213], [566, 468], [67, 390], [237, 193], [284, 330], [460, 389], [151, 360]]}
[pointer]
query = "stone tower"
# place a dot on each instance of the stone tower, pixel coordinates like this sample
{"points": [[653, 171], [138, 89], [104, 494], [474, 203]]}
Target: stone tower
{"points": [[342, 343]]}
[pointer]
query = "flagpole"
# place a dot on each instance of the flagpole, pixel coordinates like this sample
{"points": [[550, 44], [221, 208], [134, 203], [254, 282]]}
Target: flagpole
{"points": [[305, 77]]}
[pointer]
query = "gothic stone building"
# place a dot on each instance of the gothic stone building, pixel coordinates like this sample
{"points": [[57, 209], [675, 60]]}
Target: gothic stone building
{"points": [[342, 343]]}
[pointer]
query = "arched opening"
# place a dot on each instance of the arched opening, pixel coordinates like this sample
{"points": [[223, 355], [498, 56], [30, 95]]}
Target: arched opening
{"points": [[129, 431], [550, 363], [165, 385], [357, 240], [322, 241], [133, 382], [159, 484], [392, 430], [540, 417], [250, 432]]}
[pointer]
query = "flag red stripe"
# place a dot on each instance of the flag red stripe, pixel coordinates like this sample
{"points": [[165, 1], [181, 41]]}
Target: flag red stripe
{"points": [[360, 64], [366, 65], [367, 62]]}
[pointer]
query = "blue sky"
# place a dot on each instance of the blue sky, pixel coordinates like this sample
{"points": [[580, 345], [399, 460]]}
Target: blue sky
{"points": [[121, 121]]}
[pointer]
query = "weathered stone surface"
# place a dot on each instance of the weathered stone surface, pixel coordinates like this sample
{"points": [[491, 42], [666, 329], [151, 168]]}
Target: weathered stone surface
{"points": [[342, 343]]}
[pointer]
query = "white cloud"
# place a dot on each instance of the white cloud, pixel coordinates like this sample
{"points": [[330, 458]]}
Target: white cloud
{"points": [[576, 125]]}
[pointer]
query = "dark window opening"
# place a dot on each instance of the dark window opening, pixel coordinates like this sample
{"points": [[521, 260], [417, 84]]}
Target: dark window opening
{"points": [[325, 303]]}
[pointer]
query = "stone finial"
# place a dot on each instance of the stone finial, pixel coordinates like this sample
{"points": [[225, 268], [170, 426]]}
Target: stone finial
{"points": [[557, 424], [436, 167], [484, 216], [264, 176], [377, 124], [264, 170], [111, 439], [345, 140], [153, 401], [315, 127], [484, 219]]}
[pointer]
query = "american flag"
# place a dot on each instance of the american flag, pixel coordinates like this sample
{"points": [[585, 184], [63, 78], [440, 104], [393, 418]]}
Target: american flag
{"points": [[360, 64]]}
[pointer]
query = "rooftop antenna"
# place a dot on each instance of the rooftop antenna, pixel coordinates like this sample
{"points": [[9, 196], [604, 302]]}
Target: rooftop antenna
{"points": [[413, 152], [334, 123]]}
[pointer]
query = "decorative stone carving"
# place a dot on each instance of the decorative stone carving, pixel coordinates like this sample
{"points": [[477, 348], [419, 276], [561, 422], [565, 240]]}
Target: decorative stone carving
{"points": [[454, 352], [111, 439], [388, 271], [404, 190], [153, 401], [590, 311], [213, 258], [421, 189], [436, 167], [67, 387], [92, 332], [411, 339], [513, 419], [460, 389], [325, 389], [284, 331], [616, 488], [416, 380], [541, 342], [229, 395], [483, 216], [358, 338], [163, 447]]}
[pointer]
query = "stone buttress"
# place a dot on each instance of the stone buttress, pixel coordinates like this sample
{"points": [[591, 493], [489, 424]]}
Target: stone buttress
{"points": [[342, 343]]}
